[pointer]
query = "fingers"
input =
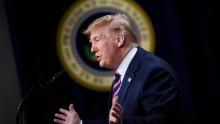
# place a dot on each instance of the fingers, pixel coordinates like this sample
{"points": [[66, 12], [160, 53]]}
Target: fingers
{"points": [[115, 99], [64, 111], [117, 108], [116, 112], [71, 108], [60, 116], [67, 116], [58, 121], [116, 115], [115, 118], [116, 105]]}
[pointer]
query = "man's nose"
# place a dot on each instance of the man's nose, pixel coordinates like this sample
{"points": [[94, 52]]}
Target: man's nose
{"points": [[92, 48]]}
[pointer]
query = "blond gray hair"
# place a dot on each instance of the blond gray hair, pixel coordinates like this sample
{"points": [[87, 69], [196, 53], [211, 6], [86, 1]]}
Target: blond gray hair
{"points": [[116, 23]]}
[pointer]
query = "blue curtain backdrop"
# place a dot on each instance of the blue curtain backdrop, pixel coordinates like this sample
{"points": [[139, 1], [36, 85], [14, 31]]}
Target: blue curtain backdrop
{"points": [[186, 37]]}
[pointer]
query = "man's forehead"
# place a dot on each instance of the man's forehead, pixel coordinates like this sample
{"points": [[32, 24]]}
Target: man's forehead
{"points": [[96, 33]]}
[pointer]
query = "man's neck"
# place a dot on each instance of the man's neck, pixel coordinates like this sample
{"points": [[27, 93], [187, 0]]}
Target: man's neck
{"points": [[124, 52], [125, 62]]}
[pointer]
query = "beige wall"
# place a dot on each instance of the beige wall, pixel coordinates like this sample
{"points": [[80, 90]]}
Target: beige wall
{"points": [[9, 87]]}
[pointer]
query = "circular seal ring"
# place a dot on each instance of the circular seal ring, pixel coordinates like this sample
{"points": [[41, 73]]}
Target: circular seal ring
{"points": [[73, 48]]}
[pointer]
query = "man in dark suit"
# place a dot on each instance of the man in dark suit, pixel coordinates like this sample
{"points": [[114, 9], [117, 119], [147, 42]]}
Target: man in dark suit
{"points": [[144, 90]]}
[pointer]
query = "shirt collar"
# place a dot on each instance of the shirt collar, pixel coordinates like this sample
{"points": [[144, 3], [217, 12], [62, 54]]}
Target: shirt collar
{"points": [[125, 62]]}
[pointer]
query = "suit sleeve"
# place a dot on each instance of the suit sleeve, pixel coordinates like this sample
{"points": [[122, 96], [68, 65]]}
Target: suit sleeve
{"points": [[158, 99]]}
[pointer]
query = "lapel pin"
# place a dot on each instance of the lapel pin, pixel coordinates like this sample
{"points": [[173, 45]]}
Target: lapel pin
{"points": [[129, 79]]}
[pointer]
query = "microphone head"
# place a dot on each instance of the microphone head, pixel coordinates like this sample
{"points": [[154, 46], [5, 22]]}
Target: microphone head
{"points": [[58, 75], [51, 81]]}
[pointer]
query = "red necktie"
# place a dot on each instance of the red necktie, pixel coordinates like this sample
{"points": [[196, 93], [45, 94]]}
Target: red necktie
{"points": [[116, 84]]}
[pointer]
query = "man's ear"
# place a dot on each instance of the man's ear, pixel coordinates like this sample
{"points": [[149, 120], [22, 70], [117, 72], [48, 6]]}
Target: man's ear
{"points": [[120, 40]]}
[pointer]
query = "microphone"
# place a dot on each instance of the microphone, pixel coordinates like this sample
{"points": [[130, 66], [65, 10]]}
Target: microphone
{"points": [[41, 84], [52, 79]]}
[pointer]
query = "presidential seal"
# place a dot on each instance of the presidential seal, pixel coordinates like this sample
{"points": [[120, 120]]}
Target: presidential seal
{"points": [[74, 48]]}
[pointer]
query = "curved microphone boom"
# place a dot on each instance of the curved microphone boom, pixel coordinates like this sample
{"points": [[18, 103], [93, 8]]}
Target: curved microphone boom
{"points": [[41, 84]]}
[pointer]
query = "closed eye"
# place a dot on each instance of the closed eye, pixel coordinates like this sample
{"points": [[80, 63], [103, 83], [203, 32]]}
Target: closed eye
{"points": [[97, 40]]}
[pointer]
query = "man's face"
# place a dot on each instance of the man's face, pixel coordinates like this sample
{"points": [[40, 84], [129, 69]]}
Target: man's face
{"points": [[104, 47]]}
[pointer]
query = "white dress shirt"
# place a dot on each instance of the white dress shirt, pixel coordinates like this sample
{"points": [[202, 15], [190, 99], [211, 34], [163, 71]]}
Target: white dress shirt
{"points": [[122, 68]]}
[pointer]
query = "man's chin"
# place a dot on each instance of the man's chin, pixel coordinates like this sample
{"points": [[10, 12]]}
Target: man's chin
{"points": [[107, 67], [101, 65]]}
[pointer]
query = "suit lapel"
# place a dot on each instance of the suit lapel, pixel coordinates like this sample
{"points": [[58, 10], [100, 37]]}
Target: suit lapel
{"points": [[129, 76], [125, 86]]}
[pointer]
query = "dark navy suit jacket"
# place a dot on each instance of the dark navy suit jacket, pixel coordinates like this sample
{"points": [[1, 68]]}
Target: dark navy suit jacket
{"points": [[149, 92]]}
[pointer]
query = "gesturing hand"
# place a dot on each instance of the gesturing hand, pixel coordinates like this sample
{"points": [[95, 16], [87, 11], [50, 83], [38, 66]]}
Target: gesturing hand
{"points": [[116, 112], [67, 116]]}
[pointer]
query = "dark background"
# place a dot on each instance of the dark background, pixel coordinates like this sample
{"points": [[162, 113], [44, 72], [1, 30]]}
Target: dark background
{"points": [[186, 36]]}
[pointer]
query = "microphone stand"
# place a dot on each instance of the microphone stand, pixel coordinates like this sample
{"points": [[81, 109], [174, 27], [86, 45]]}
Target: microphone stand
{"points": [[37, 87]]}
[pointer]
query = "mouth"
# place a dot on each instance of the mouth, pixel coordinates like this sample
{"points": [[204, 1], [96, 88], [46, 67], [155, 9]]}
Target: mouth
{"points": [[98, 58]]}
